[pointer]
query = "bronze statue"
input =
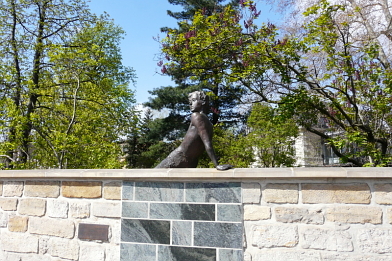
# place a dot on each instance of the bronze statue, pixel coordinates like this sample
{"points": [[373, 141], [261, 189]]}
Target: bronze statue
{"points": [[197, 139]]}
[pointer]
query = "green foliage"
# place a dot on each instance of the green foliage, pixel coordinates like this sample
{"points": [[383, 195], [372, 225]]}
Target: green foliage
{"points": [[231, 149], [271, 137], [64, 90], [145, 147], [324, 78], [269, 142], [223, 101]]}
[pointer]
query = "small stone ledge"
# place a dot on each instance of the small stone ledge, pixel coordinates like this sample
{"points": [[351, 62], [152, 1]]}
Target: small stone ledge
{"points": [[199, 173]]}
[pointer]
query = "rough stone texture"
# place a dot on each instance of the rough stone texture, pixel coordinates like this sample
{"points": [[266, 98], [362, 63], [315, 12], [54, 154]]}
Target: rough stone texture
{"points": [[8, 204], [12, 242], [32, 206], [330, 256], [112, 190], [281, 193], [82, 189], [18, 224], [52, 227], [247, 257], [299, 215], [57, 209], [80, 210], [375, 240], [107, 209], [112, 252], [256, 212], [284, 255], [251, 193], [1, 188], [354, 214], [327, 239], [43, 244], [42, 189], [270, 236], [64, 248], [352, 193], [3, 219], [383, 193], [29, 257], [12, 188], [389, 215], [92, 252]]}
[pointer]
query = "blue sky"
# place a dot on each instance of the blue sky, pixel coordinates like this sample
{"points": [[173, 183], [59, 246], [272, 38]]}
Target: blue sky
{"points": [[142, 21]]}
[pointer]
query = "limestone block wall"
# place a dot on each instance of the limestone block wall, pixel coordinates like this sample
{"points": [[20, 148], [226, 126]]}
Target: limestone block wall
{"points": [[43, 220], [318, 219]]}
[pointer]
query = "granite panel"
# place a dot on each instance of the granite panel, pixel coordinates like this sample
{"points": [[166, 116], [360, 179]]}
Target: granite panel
{"points": [[127, 190], [137, 252], [174, 253], [182, 211], [231, 213], [135, 209], [214, 192], [145, 231], [182, 233], [230, 255], [159, 191], [218, 234]]}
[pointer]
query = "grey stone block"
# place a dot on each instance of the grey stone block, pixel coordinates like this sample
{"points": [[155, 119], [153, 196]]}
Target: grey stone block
{"points": [[182, 233], [230, 255], [174, 253], [127, 190], [159, 191], [216, 234], [182, 211], [214, 192], [137, 252], [230, 213], [145, 231], [135, 209]]}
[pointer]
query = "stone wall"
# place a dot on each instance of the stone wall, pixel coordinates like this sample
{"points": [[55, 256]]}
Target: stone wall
{"points": [[196, 214], [334, 219], [44, 220], [181, 221]]}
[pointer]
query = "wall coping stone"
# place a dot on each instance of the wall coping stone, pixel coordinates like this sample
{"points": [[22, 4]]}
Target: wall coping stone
{"points": [[190, 174]]}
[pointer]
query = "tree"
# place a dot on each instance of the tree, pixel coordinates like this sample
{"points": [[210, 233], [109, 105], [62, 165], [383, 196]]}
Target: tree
{"points": [[222, 100], [268, 142], [64, 92], [321, 75], [144, 145], [164, 133], [271, 137]]}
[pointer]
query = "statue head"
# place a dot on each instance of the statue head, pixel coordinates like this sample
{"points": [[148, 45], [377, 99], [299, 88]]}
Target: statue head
{"points": [[198, 101]]}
